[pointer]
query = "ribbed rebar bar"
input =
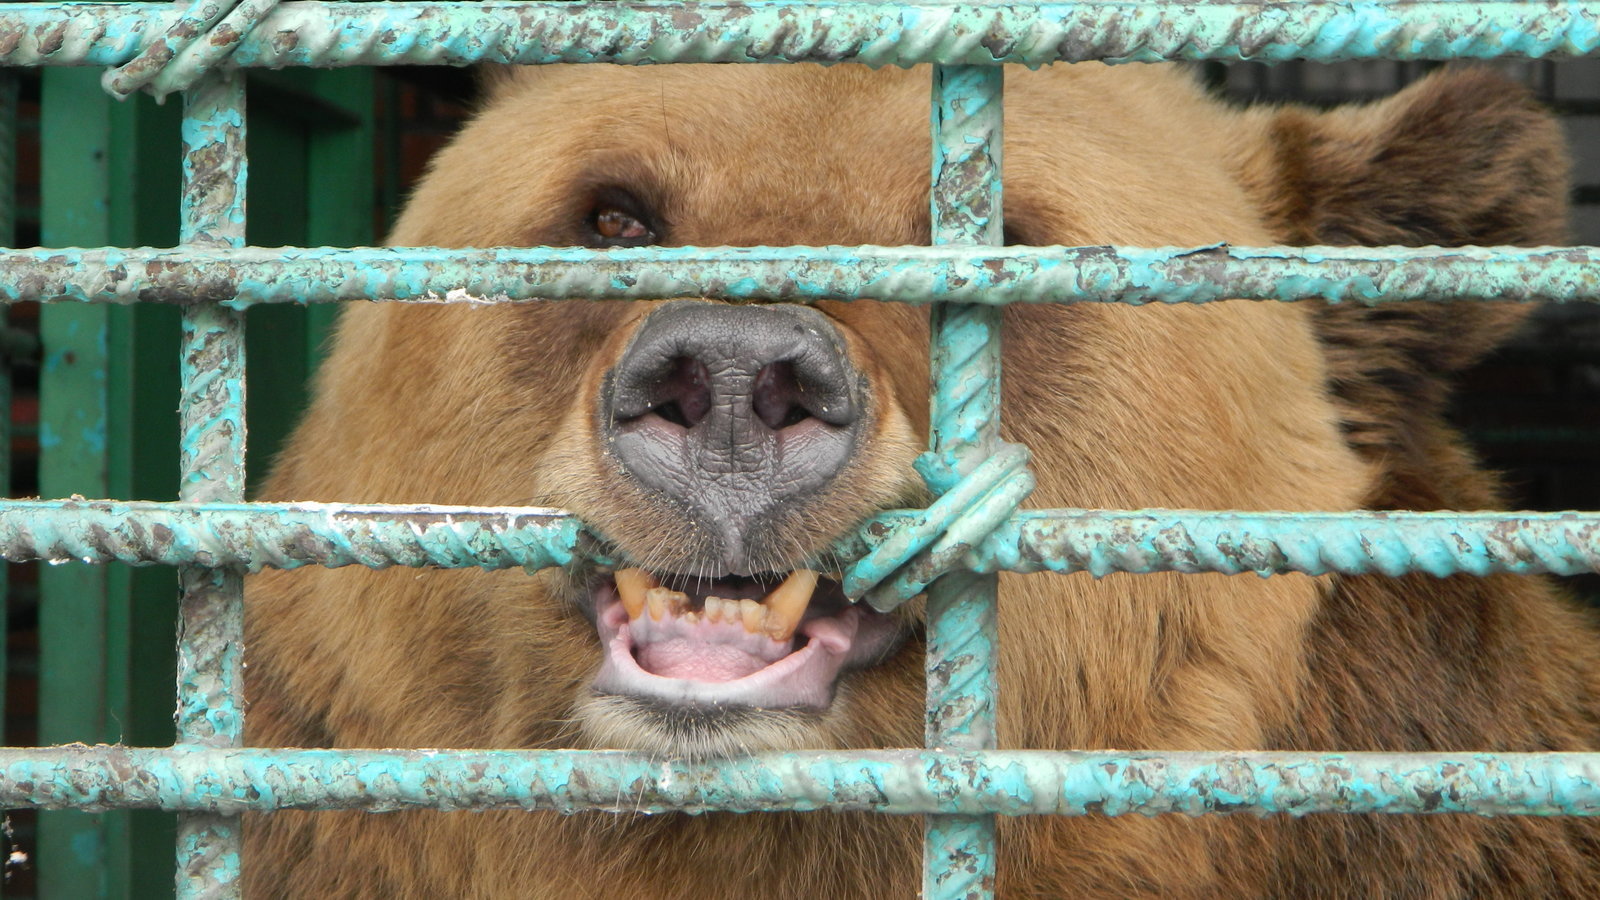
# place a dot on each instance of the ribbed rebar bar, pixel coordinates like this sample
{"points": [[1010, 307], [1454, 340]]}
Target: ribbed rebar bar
{"points": [[211, 447], [874, 33], [958, 852], [968, 783], [959, 274], [291, 535], [205, 34], [285, 536]]}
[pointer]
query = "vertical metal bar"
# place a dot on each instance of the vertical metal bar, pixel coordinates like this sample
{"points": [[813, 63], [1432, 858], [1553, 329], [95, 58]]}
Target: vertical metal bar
{"points": [[959, 851], [212, 443]]}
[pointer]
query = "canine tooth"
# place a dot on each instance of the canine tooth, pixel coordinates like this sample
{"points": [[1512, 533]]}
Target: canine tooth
{"points": [[631, 587], [753, 614], [787, 603]]}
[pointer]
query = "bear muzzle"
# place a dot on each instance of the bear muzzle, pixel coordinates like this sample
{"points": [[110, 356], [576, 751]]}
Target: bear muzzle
{"points": [[733, 417]]}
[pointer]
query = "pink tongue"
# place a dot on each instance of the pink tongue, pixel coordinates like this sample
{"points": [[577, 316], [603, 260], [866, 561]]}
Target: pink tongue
{"points": [[697, 660]]}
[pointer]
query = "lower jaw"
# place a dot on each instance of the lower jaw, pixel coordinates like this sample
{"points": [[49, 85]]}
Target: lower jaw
{"points": [[805, 679], [694, 732]]}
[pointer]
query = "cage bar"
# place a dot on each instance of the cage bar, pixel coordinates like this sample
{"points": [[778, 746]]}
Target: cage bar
{"points": [[211, 452], [905, 782], [291, 535], [916, 275], [958, 851], [875, 33]]}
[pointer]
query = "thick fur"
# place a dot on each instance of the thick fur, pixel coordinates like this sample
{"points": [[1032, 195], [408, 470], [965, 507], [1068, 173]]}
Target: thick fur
{"points": [[1231, 405]]}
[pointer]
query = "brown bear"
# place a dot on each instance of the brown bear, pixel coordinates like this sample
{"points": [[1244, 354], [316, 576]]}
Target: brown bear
{"points": [[717, 447]]}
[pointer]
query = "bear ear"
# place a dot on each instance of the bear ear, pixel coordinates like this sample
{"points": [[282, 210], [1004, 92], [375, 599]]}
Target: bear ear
{"points": [[1463, 157]]}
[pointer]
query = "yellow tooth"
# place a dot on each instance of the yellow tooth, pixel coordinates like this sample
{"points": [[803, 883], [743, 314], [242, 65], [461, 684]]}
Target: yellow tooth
{"points": [[754, 615], [787, 604], [662, 601], [714, 609], [631, 586]]}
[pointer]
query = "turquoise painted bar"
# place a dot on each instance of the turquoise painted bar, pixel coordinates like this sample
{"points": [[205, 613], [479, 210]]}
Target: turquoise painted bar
{"points": [[966, 121], [211, 448], [957, 274], [907, 782], [874, 33], [291, 535]]}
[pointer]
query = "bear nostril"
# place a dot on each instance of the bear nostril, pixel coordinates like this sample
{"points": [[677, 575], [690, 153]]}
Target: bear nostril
{"points": [[718, 411], [779, 399], [684, 396]]}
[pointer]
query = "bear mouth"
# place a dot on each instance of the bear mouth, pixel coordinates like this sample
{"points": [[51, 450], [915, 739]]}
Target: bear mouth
{"points": [[775, 641]]}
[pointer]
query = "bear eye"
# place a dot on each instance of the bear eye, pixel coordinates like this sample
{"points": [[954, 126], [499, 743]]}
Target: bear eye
{"points": [[615, 221]]}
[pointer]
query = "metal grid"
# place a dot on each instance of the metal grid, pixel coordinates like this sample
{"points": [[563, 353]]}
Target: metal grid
{"points": [[961, 782]]}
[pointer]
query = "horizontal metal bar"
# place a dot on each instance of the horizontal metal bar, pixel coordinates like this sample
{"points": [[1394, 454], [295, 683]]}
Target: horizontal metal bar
{"points": [[288, 536], [1315, 543], [875, 33], [1007, 782], [285, 536], [901, 274]]}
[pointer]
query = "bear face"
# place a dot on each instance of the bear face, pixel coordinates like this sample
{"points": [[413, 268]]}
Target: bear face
{"points": [[718, 450]]}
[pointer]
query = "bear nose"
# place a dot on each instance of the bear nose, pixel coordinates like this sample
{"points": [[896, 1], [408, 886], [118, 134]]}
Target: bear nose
{"points": [[729, 412]]}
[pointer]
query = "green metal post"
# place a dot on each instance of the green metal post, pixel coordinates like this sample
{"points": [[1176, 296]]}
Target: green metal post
{"points": [[87, 158], [341, 189], [8, 237], [313, 135]]}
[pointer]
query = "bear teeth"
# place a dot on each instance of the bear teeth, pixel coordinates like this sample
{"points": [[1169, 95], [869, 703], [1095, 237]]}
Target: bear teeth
{"points": [[631, 587], [776, 615]]}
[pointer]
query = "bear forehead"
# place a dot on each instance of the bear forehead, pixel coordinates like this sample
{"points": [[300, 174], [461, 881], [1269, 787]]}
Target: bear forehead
{"points": [[840, 155]]}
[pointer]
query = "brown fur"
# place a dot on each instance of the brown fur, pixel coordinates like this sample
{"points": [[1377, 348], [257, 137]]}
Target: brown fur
{"points": [[1234, 405]]}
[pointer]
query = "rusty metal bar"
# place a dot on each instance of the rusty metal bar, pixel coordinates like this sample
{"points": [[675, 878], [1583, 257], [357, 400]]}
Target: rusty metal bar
{"points": [[874, 33], [286, 535], [962, 274], [290, 535], [968, 783], [958, 852], [211, 459]]}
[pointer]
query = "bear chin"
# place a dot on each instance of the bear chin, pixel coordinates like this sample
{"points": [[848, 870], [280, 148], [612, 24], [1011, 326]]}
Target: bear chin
{"points": [[701, 731]]}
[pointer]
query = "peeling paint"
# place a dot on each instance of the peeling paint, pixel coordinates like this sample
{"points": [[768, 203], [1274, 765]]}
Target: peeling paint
{"points": [[872, 33], [953, 274], [227, 782], [211, 458], [254, 536], [964, 441]]}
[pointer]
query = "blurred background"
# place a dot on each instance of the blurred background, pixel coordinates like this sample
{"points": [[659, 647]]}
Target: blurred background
{"points": [[88, 651]]}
